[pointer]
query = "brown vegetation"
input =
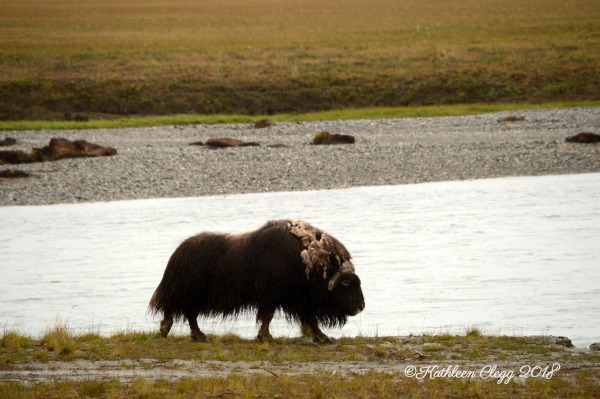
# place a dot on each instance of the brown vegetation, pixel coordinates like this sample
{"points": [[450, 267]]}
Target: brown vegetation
{"points": [[106, 58]]}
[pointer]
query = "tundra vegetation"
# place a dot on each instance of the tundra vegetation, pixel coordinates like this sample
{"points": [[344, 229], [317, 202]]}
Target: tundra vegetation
{"points": [[472, 348], [106, 58]]}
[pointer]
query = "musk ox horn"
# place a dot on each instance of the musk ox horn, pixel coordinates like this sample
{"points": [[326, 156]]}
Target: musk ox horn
{"points": [[332, 281], [347, 266]]}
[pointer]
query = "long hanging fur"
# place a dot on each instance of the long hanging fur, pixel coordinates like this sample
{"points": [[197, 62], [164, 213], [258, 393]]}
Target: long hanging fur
{"points": [[214, 274]]}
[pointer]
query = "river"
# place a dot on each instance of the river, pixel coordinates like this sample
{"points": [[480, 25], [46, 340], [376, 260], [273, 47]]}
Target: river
{"points": [[510, 256]]}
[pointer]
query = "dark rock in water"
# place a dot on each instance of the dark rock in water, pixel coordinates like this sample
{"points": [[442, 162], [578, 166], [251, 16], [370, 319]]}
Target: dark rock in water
{"points": [[58, 148], [329, 138], [225, 142], [263, 123], [595, 346], [13, 174], [7, 141], [564, 341], [584, 137]]}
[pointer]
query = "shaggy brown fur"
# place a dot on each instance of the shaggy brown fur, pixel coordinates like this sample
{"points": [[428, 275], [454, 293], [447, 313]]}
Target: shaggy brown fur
{"points": [[318, 247], [285, 265]]}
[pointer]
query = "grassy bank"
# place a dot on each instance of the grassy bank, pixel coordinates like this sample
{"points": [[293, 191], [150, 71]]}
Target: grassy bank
{"points": [[343, 114], [470, 351], [101, 59], [60, 344], [371, 385]]}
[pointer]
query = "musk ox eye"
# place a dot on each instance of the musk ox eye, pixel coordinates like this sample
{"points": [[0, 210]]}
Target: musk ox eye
{"points": [[318, 236], [346, 283]]}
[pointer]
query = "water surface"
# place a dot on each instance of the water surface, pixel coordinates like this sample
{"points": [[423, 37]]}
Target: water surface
{"points": [[516, 256]]}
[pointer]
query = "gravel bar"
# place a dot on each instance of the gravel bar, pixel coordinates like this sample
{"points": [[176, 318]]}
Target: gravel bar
{"points": [[158, 162]]}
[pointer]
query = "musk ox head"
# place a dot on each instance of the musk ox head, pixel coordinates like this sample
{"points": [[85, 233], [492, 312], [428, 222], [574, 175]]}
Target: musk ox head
{"points": [[346, 293], [326, 257]]}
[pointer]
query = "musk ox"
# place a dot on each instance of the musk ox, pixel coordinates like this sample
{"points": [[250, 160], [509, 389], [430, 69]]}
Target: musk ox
{"points": [[285, 265]]}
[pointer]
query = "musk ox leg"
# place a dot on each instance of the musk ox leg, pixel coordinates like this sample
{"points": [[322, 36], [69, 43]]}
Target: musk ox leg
{"points": [[197, 335], [318, 335], [166, 324], [263, 332]]}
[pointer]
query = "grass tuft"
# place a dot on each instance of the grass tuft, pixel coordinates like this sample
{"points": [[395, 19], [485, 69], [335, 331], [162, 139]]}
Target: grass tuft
{"points": [[473, 332], [59, 340], [12, 341]]}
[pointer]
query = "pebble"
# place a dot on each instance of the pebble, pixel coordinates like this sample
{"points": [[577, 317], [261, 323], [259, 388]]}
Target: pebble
{"points": [[158, 162]]}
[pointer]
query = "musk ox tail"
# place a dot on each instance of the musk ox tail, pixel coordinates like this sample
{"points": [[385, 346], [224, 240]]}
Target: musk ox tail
{"points": [[153, 305], [156, 305], [162, 299], [174, 286]]}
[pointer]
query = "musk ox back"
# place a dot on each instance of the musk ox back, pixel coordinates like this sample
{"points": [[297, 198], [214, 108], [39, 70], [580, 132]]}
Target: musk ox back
{"points": [[285, 265]]}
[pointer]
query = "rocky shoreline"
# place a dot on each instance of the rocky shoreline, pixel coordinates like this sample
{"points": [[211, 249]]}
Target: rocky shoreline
{"points": [[159, 162]]}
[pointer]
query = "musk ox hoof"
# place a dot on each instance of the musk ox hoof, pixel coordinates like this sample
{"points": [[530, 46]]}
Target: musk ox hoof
{"points": [[199, 337], [165, 327], [265, 337], [323, 340], [164, 332]]}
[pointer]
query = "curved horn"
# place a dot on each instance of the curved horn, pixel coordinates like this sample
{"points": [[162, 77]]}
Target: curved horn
{"points": [[332, 281]]}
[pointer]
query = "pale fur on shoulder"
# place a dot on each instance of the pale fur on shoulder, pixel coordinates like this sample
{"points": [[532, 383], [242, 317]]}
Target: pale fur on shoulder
{"points": [[315, 255]]}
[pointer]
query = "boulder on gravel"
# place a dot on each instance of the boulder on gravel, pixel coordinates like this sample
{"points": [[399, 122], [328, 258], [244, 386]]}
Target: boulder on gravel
{"points": [[584, 137], [563, 341], [511, 118], [58, 148], [13, 174], [7, 141], [225, 142], [263, 123], [332, 138], [15, 157]]}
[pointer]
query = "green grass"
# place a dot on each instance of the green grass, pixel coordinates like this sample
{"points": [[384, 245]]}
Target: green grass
{"points": [[345, 114], [444, 349], [59, 344], [370, 385], [107, 58]]}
